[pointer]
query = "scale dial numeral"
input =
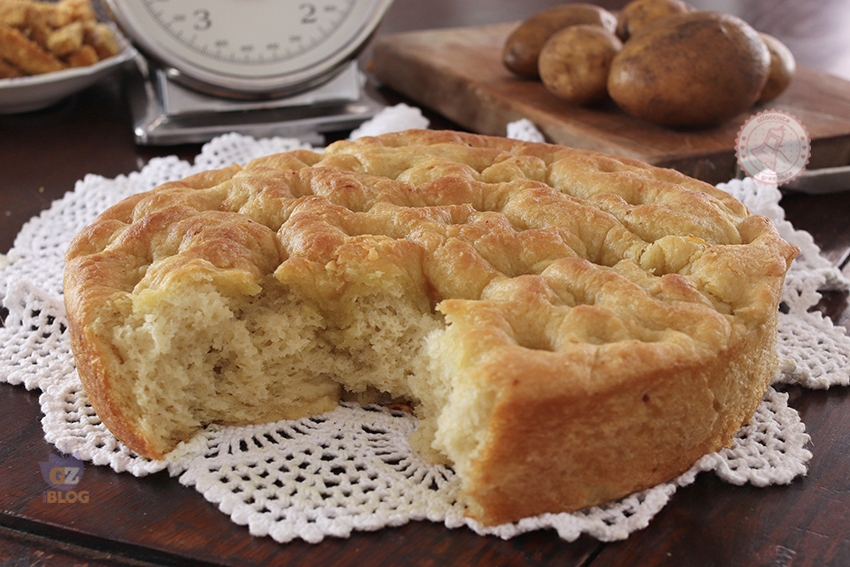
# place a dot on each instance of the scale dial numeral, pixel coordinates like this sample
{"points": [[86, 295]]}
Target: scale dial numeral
{"points": [[261, 33]]}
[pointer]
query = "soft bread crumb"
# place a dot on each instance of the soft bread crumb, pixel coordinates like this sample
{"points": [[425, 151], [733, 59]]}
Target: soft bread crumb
{"points": [[200, 357]]}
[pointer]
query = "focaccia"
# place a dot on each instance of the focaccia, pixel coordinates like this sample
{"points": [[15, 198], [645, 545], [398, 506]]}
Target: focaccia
{"points": [[569, 326]]}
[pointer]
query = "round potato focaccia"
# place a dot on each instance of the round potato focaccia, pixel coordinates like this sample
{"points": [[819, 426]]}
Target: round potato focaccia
{"points": [[569, 326]]}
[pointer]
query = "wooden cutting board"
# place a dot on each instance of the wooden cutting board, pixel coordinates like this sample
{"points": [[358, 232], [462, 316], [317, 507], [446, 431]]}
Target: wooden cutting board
{"points": [[458, 73]]}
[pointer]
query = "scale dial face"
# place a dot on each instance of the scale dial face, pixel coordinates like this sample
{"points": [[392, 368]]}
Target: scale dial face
{"points": [[249, 47]]}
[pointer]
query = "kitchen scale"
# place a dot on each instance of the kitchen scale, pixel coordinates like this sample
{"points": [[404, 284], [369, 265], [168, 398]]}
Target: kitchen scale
{"points": [[258, 67]]}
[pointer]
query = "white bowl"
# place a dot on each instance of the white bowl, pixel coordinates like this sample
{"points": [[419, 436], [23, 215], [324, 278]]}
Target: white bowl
{"points": [[23, 94]]}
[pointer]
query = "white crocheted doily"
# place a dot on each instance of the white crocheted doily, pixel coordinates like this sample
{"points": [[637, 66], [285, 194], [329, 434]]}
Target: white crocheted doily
{"points": [[352, 468]]}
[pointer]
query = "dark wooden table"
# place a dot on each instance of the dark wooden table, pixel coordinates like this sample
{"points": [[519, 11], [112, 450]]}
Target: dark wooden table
{"points": [[156, 521]]}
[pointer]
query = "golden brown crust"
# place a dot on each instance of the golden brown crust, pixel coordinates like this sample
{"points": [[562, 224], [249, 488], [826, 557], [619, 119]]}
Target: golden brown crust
{"points": [[600, 323]]}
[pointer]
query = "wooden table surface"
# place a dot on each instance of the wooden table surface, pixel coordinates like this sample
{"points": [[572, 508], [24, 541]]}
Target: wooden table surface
{"points": [[156, 521]]}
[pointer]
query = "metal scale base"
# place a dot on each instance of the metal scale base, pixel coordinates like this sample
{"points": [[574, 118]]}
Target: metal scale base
{"points": [[165, 113]]}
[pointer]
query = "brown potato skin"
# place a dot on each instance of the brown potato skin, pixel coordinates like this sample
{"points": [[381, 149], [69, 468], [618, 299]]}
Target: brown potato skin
{"points": [[522, 48], [574, 64], [696, 69], [782, 67], [640, 13]]}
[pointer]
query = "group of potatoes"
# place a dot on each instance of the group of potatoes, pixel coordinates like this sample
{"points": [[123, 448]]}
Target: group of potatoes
{"points": [[660, 60]]}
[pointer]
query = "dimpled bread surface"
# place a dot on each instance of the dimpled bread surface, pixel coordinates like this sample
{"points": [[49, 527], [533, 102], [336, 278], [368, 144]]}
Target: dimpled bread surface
{"points": [[570, 327]]}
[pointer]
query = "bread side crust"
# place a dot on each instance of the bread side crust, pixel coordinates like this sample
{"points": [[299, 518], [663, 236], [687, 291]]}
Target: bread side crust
{"points": [[576, 444]]}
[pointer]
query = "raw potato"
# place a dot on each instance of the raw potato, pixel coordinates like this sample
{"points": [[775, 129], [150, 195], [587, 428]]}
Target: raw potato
{"points": [[575, 63], [522, 49], [640, 13], [782, 67], [696, 69]]}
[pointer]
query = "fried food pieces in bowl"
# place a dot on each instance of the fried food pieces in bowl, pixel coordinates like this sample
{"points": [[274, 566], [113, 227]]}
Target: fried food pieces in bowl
{"points": [[44, 37]]}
